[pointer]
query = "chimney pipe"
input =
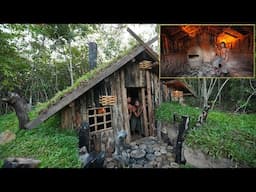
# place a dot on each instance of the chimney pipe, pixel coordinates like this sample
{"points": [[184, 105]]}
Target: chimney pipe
{"points": [[92, 55]]}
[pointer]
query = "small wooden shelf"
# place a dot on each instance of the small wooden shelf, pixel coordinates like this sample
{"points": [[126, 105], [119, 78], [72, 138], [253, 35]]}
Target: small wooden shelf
{"points": [[145, 65], [107, 100]]}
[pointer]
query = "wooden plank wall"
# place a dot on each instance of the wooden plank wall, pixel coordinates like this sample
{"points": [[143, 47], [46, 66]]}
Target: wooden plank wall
{"points": [[118, 121], [134, 77], [173, 63], [145, 116], [150, 104], [67, 115], [116, 85], [101, 140], [124, 106], [155, 88]]}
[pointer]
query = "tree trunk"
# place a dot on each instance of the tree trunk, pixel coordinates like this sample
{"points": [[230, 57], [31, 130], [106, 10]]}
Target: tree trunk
{"points": [[20, 106], [44, 90], [56, 80], [70, 65], [222, 86], [220, 93], [207, 91], [204, 93]]}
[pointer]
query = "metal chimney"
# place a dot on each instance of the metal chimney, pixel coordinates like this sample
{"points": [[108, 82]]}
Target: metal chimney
{"points": [[92, 55]]}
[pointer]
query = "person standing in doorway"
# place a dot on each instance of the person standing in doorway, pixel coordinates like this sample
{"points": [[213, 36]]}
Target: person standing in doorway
{"points": [[130, 106], [136, 118]]}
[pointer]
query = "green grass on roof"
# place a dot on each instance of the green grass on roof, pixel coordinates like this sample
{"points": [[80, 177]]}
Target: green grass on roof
{"points": [[83, 80]]}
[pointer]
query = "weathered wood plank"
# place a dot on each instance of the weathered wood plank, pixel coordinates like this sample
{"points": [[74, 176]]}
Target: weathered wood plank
{"points": [[119, 111], [101, 123], [152, 53], [134, 76], [150, 107], [114, 108], [183, 127], [100, 131], [67, 116], [100, 115], [145, 119], [154, 102], [157, 98], [125, 107], [83, 107], [81, 90]]}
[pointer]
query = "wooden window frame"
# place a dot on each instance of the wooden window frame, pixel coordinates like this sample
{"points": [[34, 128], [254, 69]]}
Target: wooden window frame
{"points": [[96, 123]]}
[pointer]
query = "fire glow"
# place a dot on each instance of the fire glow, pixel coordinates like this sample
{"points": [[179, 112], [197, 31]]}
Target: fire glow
{"points": [[177, 94], [227, 39], [190, 30]]}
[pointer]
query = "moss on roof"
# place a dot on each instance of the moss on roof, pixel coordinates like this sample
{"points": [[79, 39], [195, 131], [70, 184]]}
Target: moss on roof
{"points": [[83, 80]]}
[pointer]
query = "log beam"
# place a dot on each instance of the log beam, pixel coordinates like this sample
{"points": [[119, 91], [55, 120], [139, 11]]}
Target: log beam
{"points": [[153, 54]]}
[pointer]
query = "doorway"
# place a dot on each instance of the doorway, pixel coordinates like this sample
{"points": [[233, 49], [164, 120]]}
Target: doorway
{"points": [[138, 124]]}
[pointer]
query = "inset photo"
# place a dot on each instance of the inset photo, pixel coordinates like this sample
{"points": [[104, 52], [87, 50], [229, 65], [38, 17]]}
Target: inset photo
{"points": [[207, 50]]}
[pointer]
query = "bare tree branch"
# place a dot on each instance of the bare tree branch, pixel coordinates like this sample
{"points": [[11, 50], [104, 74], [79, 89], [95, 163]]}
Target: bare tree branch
{"points": [[252, 85], [222, 86], [246, 103], [212, 84]]}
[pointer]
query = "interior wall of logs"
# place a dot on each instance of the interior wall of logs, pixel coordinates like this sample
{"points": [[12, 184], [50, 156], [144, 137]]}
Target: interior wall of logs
{"points": [[175, 52]]}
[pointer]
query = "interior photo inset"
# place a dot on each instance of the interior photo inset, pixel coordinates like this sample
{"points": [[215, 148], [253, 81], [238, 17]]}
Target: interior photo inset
{"points": [[207, 51]]}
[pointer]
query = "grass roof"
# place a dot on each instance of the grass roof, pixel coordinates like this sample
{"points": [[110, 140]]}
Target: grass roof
{"points": [[82, 80]]}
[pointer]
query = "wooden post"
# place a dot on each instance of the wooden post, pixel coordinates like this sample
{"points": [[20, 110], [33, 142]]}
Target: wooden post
{"points": [[175, 118], [159, 124], [145, 119], [120, 119], [153, 96], [73, 114], [114, 108], [125, 107], [150, 108], [183, 127]]}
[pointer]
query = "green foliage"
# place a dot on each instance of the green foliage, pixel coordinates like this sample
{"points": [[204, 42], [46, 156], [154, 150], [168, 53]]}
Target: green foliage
{"points": [[233, 95], [12, 66], [56, 148], [223, 135], [227, 135], [166, 110], [9, 121], [36, 59]]}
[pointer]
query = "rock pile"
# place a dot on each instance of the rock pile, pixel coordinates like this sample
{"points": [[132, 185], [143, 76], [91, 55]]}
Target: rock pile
{"points": [[147, 152]]}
